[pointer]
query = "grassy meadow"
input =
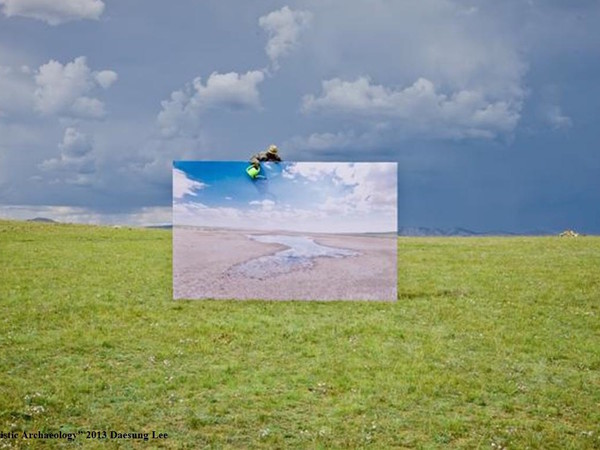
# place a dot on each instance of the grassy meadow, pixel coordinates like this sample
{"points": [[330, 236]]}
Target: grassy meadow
{"points": [[494, 343]]}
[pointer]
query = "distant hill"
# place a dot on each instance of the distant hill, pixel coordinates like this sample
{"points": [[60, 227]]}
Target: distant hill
{"points": [[457, 231], [42, 219], [161, 227], [425, 231]]}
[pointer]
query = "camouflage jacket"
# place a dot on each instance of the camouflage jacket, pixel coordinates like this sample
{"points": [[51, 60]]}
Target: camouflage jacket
{"points": [[264, 156]]}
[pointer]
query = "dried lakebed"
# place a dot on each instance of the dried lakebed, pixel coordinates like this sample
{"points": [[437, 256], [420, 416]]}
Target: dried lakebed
{"points": [[301, 254], [250, 265]]}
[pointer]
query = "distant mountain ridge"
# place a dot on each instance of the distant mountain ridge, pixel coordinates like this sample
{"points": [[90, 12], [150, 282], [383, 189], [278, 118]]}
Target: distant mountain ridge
{"points": [[458, 231], [402, 231], [160, 227], [42, 219]]}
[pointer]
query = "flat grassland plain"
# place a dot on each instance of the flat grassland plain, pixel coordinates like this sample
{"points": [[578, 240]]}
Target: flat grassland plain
{"points": [[493, 343]]}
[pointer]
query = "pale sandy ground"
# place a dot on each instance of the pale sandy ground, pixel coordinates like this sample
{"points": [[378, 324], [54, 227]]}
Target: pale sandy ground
{"points": [[202, 259]]}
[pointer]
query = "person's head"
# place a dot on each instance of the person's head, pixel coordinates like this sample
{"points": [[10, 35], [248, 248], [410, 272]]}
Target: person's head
{"points": [[272, 150]]}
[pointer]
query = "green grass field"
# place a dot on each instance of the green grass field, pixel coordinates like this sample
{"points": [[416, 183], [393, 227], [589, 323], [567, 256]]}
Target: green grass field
{"points": [[494, 343]]}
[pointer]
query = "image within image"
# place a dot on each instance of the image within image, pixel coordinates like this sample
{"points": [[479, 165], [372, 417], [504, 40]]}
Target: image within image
{"points": [[284, 230]]}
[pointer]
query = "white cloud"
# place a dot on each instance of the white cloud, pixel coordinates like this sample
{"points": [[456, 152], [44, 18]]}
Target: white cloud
{"points": [[54, 12], [59, 86], [284, 27], [231, 91], [196, 213], [61, 89], [283, 218], [371, 187], [419, 108], [265, 205], [352, 197], [258, 217], [75, 164], [310, 171], [375, 187], [106, 78], [437, 69], [182, 185]]}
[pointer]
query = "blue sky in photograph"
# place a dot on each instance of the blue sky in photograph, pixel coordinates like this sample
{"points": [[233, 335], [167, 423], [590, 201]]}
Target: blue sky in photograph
{"points": [[489, 108], [317, 197]]}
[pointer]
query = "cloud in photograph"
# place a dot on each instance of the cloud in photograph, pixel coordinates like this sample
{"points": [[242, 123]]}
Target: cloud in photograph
{"points": [[182, 185], [54, 12], [325, 197], [367, 187]]}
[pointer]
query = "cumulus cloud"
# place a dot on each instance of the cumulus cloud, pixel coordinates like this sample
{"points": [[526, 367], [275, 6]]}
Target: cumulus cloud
{"points": [[374, 188], [369, 187], [310, 171], [284, 27], [331, 197], [231, 91], [418, 108], [75, 164], [54, 12], [61, 89], [437, 69], [182, 185], [106, 78]]}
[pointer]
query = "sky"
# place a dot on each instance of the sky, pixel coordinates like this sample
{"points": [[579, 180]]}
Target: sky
{"points": [[294, 196], [489, 108]]}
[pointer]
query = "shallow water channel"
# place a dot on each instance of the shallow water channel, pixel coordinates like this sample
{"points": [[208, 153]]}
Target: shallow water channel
{"points": [[300, 255]]}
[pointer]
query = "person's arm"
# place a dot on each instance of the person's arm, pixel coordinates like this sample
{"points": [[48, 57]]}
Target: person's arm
{"points": [[271, 157], [255, 161]]}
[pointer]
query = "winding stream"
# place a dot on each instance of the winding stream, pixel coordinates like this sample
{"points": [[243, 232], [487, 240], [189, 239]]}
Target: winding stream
{"points": [[301, 254]]}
